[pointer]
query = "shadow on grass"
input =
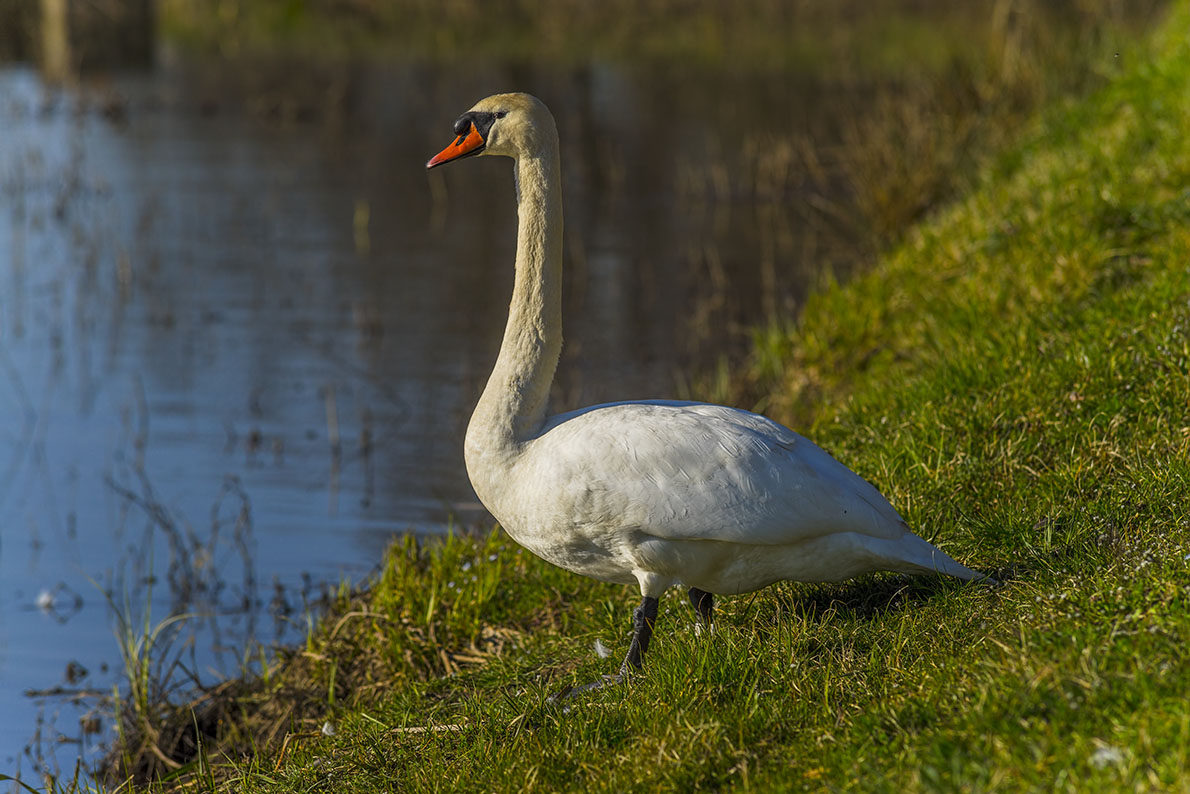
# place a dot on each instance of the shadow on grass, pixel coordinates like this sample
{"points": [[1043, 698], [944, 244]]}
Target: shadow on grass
{"points": [[873, 597]]}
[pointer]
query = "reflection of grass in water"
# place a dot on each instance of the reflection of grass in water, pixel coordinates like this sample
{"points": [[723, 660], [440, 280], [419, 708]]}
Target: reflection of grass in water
{"points": [[900, 143], [194, 575], [905, 130], [872, 37], [911, 97]]}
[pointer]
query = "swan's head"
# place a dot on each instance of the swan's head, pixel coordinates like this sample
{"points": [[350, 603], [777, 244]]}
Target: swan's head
{"points": [[513, 125]]}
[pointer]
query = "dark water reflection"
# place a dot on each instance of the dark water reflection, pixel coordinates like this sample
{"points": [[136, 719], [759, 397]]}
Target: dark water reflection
{"points": [[241, 329]]}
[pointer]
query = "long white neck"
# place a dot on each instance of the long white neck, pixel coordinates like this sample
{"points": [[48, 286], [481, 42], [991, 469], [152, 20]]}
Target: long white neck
{"points": [[512, 408]]}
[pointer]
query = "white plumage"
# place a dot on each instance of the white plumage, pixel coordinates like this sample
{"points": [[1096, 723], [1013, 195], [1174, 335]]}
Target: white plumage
{"points": [[653, 492]]}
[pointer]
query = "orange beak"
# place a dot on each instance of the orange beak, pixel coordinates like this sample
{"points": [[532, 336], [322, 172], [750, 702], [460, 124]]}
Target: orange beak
{"points": [[471, 143]]}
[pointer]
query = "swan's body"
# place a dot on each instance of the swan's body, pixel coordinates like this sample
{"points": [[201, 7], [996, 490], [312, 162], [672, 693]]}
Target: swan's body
{"points": [[656, 492], [660, 493]]}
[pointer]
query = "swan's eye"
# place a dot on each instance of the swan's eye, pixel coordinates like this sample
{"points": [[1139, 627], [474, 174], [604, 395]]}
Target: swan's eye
{"points": [[501, 114]]}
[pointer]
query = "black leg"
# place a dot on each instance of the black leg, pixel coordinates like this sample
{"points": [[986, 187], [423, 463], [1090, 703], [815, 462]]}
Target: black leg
{"points": [[642, 631], [704, 603]]}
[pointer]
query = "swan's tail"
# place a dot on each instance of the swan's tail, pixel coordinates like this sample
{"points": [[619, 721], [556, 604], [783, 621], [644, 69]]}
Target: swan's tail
{"points": [[921, 557]]}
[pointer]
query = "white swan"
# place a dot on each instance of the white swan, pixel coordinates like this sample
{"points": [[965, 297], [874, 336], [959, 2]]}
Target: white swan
{"points": [[655, 492]]}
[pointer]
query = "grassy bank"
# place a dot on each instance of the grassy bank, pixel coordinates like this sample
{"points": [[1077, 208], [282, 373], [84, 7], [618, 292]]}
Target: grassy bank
{"points": [[1015, 377]]}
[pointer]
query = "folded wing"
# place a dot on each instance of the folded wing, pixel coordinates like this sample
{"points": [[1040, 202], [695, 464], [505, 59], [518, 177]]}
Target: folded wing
{"points": [[694, 471]]}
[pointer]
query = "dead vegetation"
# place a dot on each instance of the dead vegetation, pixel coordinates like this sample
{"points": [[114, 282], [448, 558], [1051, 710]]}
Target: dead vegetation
{"points": [[415, 624]]}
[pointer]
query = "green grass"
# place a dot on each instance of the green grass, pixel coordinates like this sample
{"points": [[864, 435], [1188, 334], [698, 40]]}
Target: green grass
{"points": [[1015, 377]]}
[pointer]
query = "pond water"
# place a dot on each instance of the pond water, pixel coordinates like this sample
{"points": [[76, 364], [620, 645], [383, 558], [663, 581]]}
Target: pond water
{"points": [[242, 329]]}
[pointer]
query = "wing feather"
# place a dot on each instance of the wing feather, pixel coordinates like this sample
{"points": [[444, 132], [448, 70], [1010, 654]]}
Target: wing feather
{"points": [[694, 471]]}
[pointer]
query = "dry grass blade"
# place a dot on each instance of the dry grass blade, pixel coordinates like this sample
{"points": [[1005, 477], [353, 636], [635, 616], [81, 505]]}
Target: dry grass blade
{"points": [[432, 728]]}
